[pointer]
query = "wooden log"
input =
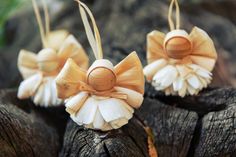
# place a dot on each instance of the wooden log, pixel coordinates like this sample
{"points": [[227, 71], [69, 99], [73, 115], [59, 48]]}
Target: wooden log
{"points": [[129, 141], [216, 132], [173, 128], [24, 133], [215, 128]]}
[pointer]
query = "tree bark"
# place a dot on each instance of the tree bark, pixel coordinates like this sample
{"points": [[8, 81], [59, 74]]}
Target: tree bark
{"points": [[130, 140], [24, 133]]}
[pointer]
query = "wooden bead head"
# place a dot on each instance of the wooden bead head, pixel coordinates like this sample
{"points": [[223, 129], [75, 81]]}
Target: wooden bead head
{"points": [[47, 60], [177, 44], [101, 75]]}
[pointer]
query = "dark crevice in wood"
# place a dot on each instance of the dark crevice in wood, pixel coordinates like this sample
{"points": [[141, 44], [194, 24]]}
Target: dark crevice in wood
{"points": [[196, 138], [172, 127], [180, 103], [106, 150], [190, 103], [138, 146]]}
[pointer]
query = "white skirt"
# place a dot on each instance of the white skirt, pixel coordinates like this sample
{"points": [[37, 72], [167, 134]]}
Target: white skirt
{"points": [[178, 79], [42, 90], [99, 113]]}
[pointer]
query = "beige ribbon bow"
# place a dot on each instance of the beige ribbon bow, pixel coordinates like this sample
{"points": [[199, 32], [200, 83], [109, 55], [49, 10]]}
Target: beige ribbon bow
{"points": [[179, 63], [128, 82], [49, 62], [103, 97], [39, 70]]}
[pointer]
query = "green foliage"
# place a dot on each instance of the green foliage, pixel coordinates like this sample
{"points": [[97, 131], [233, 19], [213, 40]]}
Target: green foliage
{"points": [[6, 8]]}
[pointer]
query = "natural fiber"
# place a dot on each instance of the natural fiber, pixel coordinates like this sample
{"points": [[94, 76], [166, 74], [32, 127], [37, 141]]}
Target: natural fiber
{"points": [[179, 63], [39, 70], [103, 97]]}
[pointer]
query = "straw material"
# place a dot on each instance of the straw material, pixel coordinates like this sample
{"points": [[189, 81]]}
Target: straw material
{"points": [[48, 62], [103, 97], [179, 63], [182, 66]]}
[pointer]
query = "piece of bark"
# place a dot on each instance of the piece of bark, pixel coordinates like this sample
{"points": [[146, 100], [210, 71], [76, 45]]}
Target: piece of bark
{"points": [[128, 141], [24, 133], [218, 134], [55, 117], [217, 130], [173, 128]]}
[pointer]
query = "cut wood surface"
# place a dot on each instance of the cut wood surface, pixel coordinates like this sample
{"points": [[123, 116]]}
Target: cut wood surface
{"points": [[24, 133], [130, 141], [196, 126], [173, 128]]}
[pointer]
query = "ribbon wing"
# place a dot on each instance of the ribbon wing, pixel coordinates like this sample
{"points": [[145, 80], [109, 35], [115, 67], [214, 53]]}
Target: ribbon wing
{"points": [[130, 79], [155, 49], [27, 63], [204, 52], [71, 48], [71, 80]]}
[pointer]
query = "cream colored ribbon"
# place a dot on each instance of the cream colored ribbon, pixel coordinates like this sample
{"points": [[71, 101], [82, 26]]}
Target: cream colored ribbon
{"points": [[43, 32], [177, 15], [72, 79], [28, 62], [129, 74], [94, 40]]}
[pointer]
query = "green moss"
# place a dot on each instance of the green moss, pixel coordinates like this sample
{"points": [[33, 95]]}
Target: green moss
{"points": [[7, 7]]}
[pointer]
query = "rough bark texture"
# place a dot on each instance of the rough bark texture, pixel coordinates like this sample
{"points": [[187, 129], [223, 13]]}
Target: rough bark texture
{"points": [[217, 129], [214, 132], [130, 140], [173, 128], [23, 133], [200, 126]]}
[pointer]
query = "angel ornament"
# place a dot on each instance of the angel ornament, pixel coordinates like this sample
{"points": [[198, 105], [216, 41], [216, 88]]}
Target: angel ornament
{"points": [[39, 70], [179, 63], [104, 96]]}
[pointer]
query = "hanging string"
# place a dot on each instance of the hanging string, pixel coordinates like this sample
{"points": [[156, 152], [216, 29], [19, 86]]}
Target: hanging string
{"points": [[43, 32], [94, 39], [39, 20], [47, 18], [177, 15]]}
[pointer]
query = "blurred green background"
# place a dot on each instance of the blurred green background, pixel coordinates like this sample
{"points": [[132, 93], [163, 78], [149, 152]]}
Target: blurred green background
{"points": [[7, 7]]}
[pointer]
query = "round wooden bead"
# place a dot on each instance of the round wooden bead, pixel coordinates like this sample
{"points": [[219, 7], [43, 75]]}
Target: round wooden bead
{"points": [[101, 76], [177, 44]]}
